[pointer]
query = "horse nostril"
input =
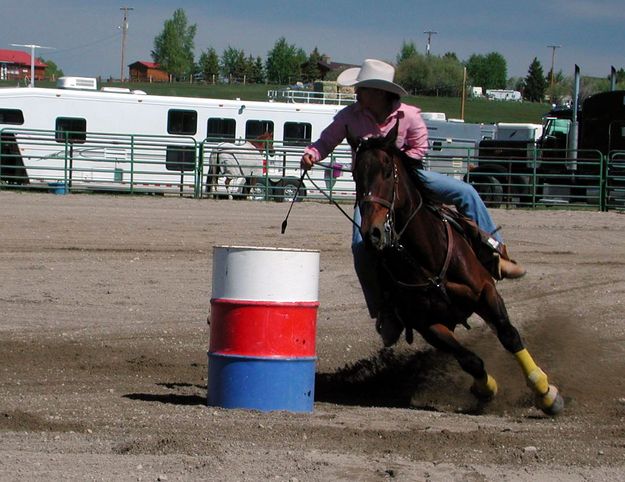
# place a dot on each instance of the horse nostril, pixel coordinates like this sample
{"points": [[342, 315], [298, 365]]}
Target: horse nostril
{"points": [[375, 236]]}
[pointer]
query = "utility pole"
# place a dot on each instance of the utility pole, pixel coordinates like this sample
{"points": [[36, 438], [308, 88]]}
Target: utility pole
{"points": [[429, 33], [32, 59], [553, 61], [124, 31]]}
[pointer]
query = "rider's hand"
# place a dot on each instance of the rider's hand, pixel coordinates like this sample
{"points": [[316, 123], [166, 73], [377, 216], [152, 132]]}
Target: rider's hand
{"points": [[307, 162]]}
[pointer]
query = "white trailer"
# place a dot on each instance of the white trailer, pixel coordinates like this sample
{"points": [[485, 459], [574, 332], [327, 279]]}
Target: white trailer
{"points": [[120, 136], [121, 139]]}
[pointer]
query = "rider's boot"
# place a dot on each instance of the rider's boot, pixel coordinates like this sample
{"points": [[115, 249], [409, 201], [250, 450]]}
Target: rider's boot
{"points": [[497, 260]]}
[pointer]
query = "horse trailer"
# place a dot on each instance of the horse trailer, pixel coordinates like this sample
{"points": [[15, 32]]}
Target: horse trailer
{"points": [[122, 139]]}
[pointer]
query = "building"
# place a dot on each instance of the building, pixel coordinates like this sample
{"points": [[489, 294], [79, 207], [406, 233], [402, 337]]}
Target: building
{"points": [[325, 66], [142, 71], [16, 65]]}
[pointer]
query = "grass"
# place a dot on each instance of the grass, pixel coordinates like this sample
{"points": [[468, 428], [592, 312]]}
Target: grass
{"points": [[475, 110]]}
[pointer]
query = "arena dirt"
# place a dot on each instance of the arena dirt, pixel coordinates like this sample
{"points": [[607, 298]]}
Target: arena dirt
{"points": [[103, 346]]}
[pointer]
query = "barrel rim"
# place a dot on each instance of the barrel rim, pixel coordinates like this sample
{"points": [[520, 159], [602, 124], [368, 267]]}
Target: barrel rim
{"points": [[264, 248]]}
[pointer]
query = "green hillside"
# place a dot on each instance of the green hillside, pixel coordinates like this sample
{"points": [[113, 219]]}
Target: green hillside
{"points": [[476, 110]]}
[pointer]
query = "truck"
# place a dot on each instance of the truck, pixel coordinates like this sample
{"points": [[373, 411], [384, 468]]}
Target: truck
{"points": [[576, 156]]}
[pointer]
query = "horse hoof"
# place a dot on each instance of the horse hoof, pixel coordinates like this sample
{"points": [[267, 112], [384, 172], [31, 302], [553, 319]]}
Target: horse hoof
{"points": [[551, 403], [484, 390]]}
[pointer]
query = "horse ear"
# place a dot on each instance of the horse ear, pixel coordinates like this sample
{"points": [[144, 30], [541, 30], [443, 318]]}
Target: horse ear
{"points": [[352, 140], [391, 137]]}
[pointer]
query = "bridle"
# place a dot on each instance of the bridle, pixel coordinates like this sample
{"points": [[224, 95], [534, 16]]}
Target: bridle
{"points": [[390, 222]]}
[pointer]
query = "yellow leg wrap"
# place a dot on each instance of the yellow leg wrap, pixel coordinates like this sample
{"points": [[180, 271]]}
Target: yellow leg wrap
{"points": [[485, 388], [536, 378]]}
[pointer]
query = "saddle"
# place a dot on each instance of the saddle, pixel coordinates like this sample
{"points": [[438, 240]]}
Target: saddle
{"points": [[487, 250]]}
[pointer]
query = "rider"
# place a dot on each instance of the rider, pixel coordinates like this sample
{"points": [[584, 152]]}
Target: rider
{"points": [[377, 109]]}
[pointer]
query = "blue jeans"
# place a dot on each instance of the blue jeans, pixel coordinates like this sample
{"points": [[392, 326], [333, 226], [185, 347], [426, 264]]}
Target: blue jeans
{"points": [[448, 190]]}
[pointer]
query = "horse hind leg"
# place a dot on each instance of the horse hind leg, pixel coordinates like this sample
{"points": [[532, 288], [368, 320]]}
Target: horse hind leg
{"points": [[494, 312], [484, 386]]}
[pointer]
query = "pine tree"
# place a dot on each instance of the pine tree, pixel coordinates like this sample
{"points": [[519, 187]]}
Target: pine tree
{"points": [[535, 82]]}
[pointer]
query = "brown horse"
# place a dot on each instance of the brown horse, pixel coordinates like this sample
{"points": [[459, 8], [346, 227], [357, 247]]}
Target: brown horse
{"points": [[435, 277]]}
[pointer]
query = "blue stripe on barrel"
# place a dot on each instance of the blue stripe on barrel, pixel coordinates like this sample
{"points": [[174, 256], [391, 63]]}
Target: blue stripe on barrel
{"points": [[261, 383]]}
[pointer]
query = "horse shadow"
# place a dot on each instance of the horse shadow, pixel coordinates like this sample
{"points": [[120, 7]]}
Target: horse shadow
{"points": [[388, 379]]}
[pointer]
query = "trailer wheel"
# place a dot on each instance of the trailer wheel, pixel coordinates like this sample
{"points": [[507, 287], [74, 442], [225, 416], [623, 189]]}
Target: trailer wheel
{"points": [[287, 190], [490, 190], [258, 189]]}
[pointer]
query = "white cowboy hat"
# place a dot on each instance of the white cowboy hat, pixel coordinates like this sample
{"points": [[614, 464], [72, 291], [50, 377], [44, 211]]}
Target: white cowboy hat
{"points": [[374, 74]]}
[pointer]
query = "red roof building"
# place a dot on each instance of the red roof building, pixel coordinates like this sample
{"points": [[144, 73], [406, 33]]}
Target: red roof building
{"points": [[16, 64], [142, 71]]}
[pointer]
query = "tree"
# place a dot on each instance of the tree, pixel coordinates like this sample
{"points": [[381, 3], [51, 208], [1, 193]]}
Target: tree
{"points": [[259, 71], [447, 75], [233, 64], [173, 48], [209, 65], [430, 75], [52, 72], [311, 70], [487, 71], [414, 74], [284, 63], [535, 82], [408, 49]]}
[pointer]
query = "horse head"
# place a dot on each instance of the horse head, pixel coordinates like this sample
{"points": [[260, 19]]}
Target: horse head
{"points": [[375, 172], [263, 141]]}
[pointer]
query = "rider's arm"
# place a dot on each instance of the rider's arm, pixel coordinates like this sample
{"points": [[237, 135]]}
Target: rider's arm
{"points": [[330, 137], [416, 140]]}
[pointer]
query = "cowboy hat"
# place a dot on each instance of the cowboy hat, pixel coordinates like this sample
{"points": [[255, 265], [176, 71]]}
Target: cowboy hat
{"points": [[374, 74]]}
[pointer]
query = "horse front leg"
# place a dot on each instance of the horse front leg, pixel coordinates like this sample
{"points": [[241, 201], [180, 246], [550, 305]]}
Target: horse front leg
{"points": [[484, 385], [493, 310]]}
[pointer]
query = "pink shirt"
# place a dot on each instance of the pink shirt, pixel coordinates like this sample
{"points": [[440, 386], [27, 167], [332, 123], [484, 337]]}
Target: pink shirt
{"points": [[412, 137]]}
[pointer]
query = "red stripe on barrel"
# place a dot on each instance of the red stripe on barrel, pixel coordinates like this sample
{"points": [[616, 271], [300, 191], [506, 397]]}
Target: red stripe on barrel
{"points": [[263, 329]]}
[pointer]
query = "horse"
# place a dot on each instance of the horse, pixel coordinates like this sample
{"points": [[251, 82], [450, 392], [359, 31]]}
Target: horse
{"points": [[433, 273], [233, 166]]}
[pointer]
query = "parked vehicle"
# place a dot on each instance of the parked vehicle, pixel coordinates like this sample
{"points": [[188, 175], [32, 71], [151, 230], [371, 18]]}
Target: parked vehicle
{"points": [[577, 156]]}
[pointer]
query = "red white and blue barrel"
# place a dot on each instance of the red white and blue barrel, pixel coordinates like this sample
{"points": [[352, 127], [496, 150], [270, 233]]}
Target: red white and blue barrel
{"points": [[262, 328]]}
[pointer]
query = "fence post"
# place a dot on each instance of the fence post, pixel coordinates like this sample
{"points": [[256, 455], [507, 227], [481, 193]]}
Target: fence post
{"points": [[603, 192]]}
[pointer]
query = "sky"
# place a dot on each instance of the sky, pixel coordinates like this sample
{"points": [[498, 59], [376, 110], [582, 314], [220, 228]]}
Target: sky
{"points": [[85, 36]]}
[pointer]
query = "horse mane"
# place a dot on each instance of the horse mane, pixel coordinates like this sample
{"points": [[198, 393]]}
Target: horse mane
{"points": [[261, 141], [406, 161]]}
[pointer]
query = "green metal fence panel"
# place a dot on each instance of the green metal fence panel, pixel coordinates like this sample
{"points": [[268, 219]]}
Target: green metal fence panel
{"points": [[225, 168], [99, 161]]}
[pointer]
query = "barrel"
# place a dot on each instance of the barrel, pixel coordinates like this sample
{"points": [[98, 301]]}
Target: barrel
{"points": [[263, 320]]}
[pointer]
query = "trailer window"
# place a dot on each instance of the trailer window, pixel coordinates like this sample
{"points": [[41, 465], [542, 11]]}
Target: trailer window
{"points": [[180, 158], [182, 122], [297, 133], [221, 128], [71, 129], [11, 116], [257, 128]]}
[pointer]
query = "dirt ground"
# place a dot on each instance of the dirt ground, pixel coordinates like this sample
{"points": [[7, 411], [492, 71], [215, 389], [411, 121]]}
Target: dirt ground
{"points": [[103, 353]]}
